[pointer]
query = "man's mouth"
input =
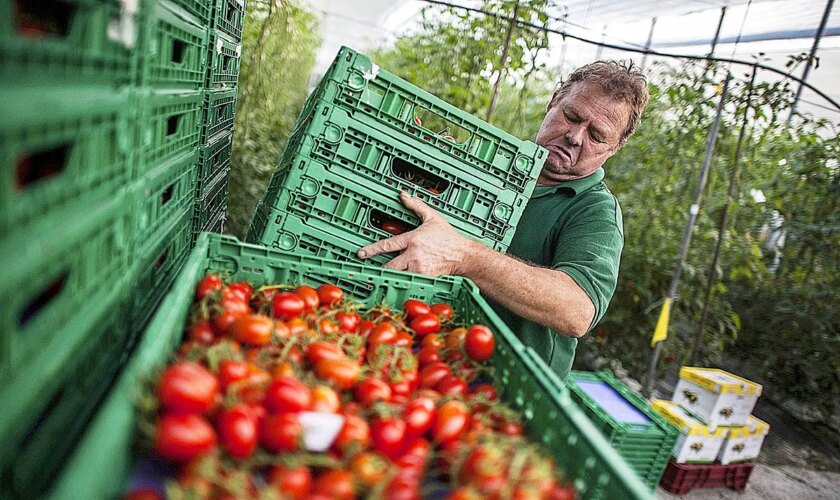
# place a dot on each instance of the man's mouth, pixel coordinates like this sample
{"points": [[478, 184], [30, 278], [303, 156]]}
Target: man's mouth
{"points": [[562, 152]]}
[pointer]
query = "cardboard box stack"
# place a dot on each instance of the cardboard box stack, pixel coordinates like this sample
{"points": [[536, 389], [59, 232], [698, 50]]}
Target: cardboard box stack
{"points": [[712, 408]]}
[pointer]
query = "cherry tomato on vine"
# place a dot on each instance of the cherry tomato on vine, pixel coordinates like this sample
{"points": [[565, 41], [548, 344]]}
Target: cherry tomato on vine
{"points": [[287, 305], [208, 285], [188, 387], [281, 432], [287, 394], [183, 437], [238, 431], [329, 295], [479, 343]]}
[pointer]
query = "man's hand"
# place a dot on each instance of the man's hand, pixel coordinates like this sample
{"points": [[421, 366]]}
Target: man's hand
{"points": [[433, 249]]}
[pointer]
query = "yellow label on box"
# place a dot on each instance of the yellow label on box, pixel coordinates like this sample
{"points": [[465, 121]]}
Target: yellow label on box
{"points": [[677, 417], [720, 381]]}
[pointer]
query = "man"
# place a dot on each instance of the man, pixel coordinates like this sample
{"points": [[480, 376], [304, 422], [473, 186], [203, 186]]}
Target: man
{"points": [[560, 272]]}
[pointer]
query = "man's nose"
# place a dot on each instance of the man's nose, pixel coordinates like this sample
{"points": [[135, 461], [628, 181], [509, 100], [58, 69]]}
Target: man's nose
{"points": [[575, 136]]}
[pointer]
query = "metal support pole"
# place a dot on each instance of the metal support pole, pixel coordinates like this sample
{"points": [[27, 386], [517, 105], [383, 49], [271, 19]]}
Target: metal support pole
{"points": [[724, 221], [717, 32], [693, 211], [814, 48], [649, 40], [494, 98]]}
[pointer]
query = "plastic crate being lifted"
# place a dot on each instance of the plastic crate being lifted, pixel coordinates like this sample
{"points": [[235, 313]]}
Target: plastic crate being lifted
{"points": [[640, 435], [551, 418], [479, 180]]}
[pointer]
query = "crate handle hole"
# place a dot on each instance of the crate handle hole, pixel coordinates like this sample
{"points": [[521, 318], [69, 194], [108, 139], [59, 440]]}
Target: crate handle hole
{"points": [[172, 125], [167, 194], [440, 126], [419, 177], [41, 165], [37, 304], [179, 51], [43, 18], [161, 260]]}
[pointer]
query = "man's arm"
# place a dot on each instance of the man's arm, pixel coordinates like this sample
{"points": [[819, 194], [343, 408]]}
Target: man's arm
{"points": [[546, 296]]}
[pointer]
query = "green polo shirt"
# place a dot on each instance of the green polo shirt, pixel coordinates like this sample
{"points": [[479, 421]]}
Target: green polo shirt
{"points": [[575, 227]]}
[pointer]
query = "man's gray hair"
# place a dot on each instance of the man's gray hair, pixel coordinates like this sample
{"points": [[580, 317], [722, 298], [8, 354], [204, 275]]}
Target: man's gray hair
{"points": [[622, 80]]}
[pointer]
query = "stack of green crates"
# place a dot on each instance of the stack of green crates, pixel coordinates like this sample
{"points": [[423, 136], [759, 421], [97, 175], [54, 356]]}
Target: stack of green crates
{"points": [[363, 136], [104, 105], [638, 433]]}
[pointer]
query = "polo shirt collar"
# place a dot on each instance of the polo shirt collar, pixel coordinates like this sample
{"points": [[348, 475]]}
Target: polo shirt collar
{"points": [[577, 186]]}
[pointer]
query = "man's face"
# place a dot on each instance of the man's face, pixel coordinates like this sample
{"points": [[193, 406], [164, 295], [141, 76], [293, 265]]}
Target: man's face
{"points": [[580, 131]]}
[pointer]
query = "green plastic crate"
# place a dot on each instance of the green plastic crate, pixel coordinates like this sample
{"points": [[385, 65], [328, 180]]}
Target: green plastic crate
{"points": [[173, 47], [215, 200], [201, 9], [213, 159], [224, 61], [157, 264], [170, 124], [229, 17], [644, 439], [62, 405], [354, 154], [62, 150], [70, 41], [57, 347], [523, 379], [219, 110], [163, 193], [310, 237], [53, 274], [216, 224], [412, 116]]}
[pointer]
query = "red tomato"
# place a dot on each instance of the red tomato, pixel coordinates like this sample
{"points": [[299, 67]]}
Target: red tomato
{"points": [[208, 284], [291, 482], [343, 373], [253, 329], [418, 416], [451, 421], [432, 340], [336, 483], [455, 338], [403, 339], [479, 343], [297, 327], [369, 468], [383, 333], [400, 388], [414, 308], [427, 356], [511, 428], [327, 327], [394, 227], [329, 295], [201, 332], [425, 324], [288, 394], [324, 399], [231, 309], [231, 371], [243, 290], [281, 432], [188, 387], [485, 390], [433, 373], [182, 437], [451, 385], [388, 436], [323, 349], [370, 390], [143, 494], [309, 296], [443, 311], [355, 430], [287, 305], [560, 492], [348, 321], [238, 431], [365, 327]]}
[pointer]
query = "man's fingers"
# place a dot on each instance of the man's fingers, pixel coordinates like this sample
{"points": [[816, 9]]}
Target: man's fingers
{"points": [[425, 212], [394, 244], [398, 263]]}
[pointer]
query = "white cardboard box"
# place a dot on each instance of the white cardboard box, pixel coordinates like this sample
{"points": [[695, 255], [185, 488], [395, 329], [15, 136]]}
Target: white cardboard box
{"points": [[697, 443], [743, 444], [716, 397]]}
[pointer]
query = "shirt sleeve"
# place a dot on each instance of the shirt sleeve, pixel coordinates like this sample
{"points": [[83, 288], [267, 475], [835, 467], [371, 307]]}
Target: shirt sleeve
{"points": [[588, 249]]}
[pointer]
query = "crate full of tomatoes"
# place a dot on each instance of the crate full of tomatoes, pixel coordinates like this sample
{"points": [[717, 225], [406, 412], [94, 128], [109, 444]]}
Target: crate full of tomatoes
{"points": [[270, 375]]}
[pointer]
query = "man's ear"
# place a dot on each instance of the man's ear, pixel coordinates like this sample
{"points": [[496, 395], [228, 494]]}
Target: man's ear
{"points": [[553, 100]]}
